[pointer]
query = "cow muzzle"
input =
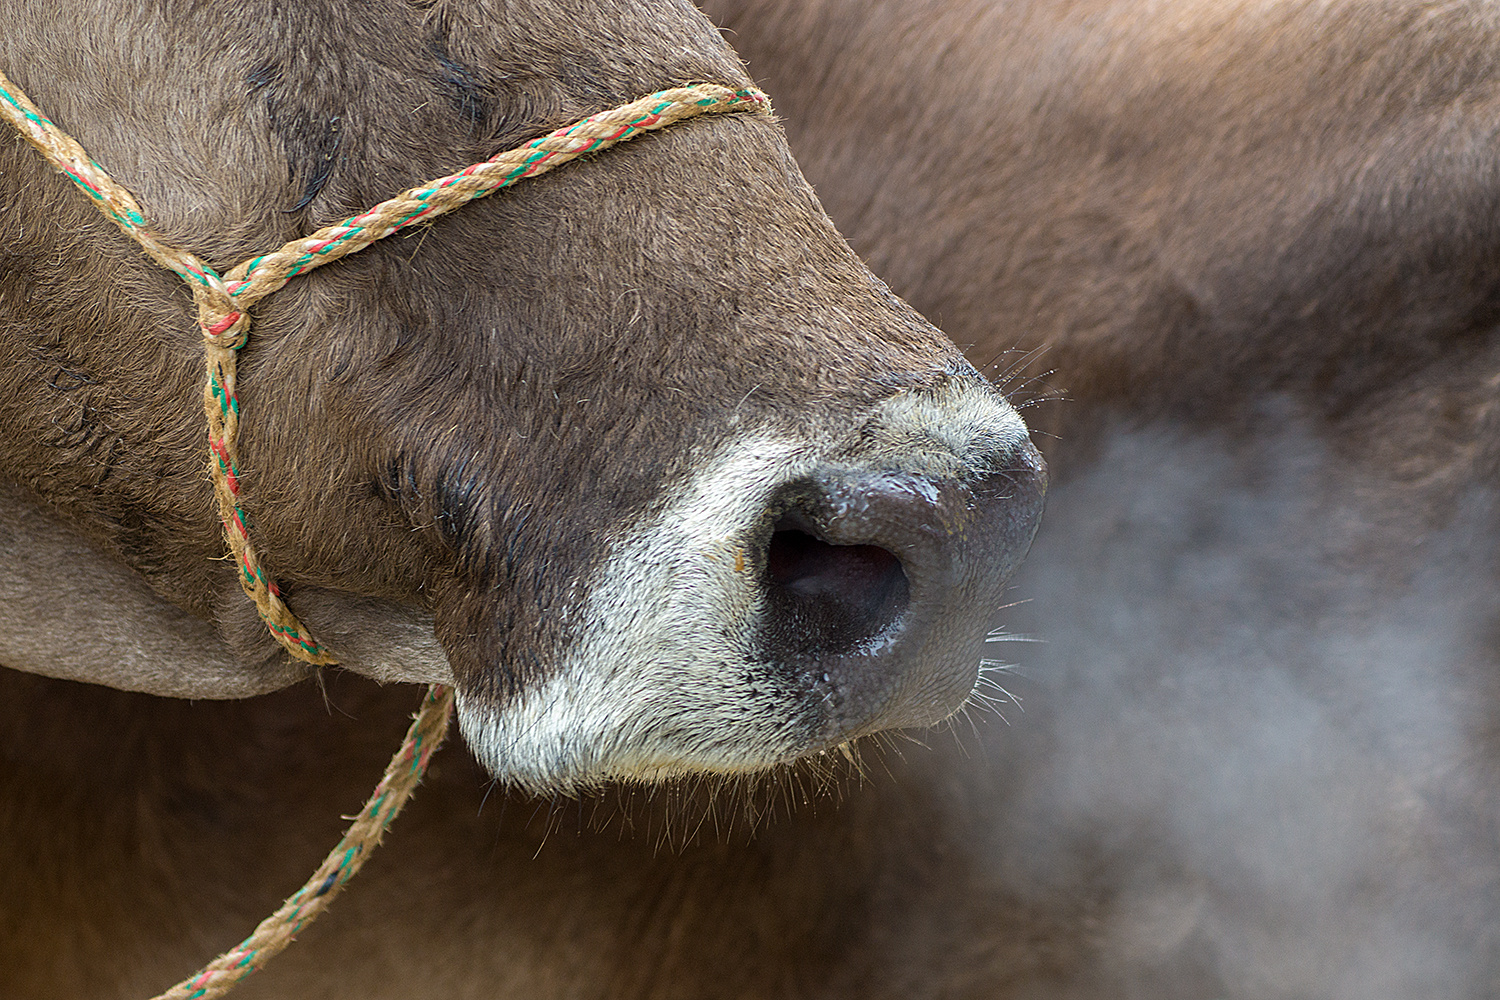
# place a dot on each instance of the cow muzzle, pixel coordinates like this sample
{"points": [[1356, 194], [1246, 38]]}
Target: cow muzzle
{"points": [[803, 588]]}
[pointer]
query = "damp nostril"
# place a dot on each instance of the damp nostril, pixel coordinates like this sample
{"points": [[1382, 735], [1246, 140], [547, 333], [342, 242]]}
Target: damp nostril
{"points": [[829, 599], [811, 567], [875, 578]]}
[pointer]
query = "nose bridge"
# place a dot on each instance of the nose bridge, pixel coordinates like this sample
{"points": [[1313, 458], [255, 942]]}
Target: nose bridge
{"points": [[959, 430]]}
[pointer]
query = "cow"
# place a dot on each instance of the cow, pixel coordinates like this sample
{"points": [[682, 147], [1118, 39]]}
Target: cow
{"points": [[1252, 248], [1257, 755], [637, 456]]}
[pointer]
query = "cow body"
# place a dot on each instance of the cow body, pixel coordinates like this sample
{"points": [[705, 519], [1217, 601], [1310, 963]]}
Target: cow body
{"points": [[1253, 245], [148, 869], [1185, 213]]}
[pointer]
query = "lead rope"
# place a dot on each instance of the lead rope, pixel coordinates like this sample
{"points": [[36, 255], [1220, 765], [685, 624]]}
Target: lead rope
{"points": [[347, 857], [223, 318]]}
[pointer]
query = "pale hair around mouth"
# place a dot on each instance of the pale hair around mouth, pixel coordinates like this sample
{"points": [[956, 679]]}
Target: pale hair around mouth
{"points": [[666, 679]]}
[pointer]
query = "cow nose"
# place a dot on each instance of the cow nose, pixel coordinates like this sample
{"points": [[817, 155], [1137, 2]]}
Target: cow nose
{"points": [[879, 585]]}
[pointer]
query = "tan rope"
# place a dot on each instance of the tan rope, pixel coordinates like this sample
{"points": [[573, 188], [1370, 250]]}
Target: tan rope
{"points": [[223, 302], [363, 836]]}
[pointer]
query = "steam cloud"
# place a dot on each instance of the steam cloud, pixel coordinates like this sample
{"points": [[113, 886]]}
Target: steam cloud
{"points": [[1261, 737]]}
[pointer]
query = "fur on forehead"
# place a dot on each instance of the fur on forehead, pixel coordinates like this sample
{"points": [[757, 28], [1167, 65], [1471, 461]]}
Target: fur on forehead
{"points": [[430, 88], [358, 100]]}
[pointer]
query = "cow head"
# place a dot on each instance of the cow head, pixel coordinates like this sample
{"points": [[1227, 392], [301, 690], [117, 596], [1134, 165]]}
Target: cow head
{"points": [[667, 479]]}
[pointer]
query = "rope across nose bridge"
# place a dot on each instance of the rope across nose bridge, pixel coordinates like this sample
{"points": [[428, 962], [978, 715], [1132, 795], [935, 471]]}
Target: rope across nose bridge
{"points": [[223, 303]]}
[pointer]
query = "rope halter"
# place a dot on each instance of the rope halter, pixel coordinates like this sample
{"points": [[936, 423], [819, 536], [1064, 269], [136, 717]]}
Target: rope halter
{"points": [[223, 304]]}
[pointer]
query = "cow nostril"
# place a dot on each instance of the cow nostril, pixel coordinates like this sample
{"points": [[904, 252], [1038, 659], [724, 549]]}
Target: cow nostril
{"points": [[829, 599]]}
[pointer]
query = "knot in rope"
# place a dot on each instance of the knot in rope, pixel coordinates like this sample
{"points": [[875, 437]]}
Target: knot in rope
{"points": [[223, 324]]}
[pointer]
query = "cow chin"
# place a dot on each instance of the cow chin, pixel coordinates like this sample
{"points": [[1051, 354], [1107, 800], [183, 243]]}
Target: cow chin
{"points": [[795, 594]]}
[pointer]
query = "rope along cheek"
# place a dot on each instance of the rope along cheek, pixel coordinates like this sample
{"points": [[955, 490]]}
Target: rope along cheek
{"points": [[223, 304]]}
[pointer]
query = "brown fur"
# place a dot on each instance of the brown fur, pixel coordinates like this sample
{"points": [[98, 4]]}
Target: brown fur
{"points": [[141, 835], [1188, 210], [427, 454], [1200, 211]]}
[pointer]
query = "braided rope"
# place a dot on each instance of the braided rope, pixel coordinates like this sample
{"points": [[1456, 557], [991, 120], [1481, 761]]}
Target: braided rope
{"points": [[223, 302], [347, 857]]}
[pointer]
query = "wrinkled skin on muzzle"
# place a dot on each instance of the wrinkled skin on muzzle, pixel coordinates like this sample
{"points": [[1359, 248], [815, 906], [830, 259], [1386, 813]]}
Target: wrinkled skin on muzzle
{"points": [[637, 454]]}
